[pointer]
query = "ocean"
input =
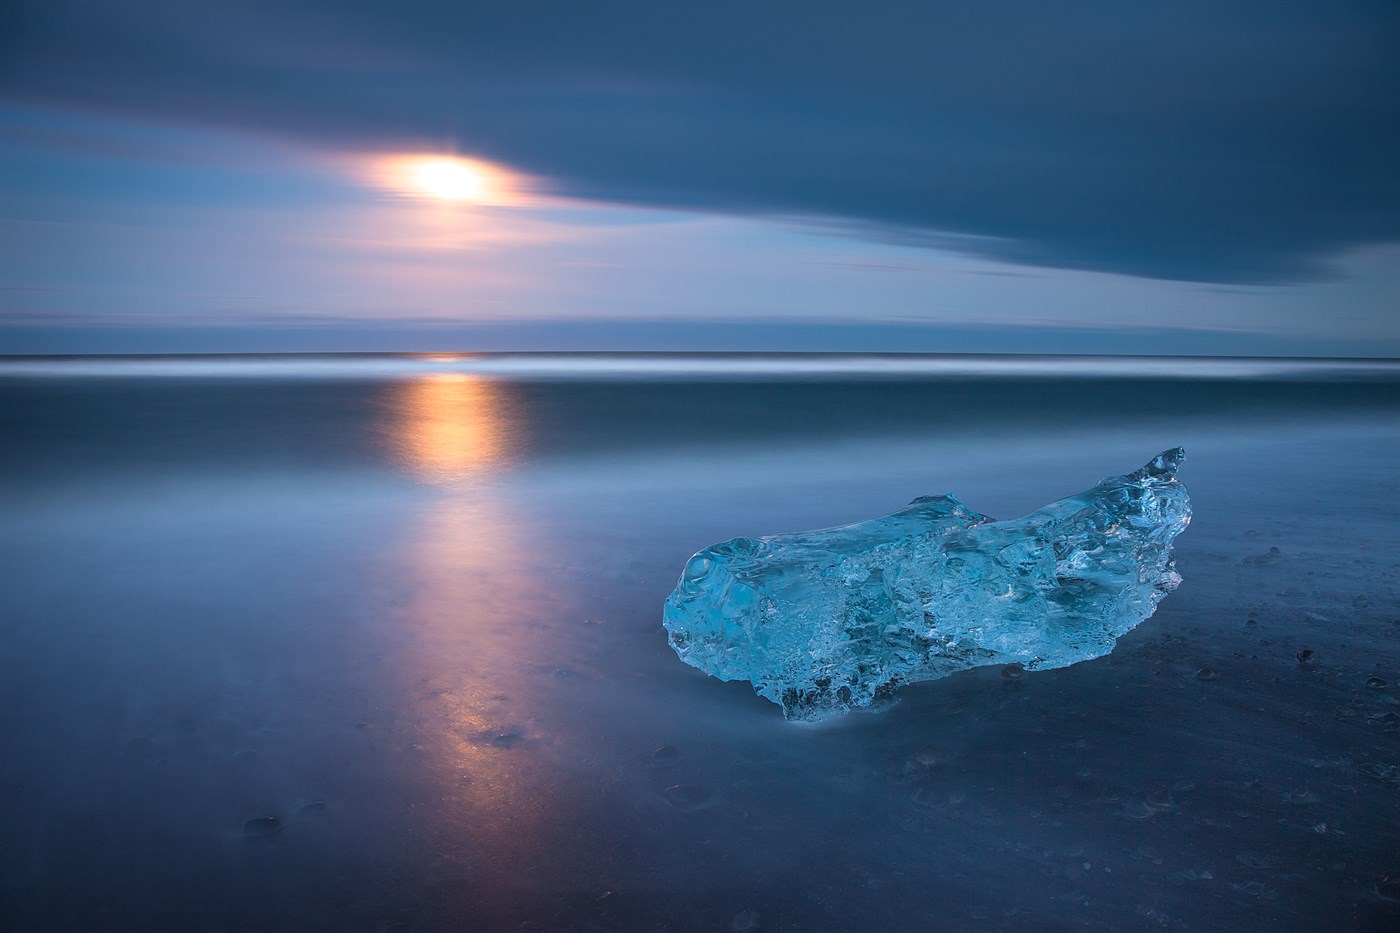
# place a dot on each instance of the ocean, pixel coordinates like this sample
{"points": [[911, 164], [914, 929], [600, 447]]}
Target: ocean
{"points": [[372, 642]]}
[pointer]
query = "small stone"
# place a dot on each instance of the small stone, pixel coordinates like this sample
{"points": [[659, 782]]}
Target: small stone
{"points": [[1307, 657], [1137, 809], [665, 755], [1205, 673], [689, 797], [1013, 671], [262, 827], [1389, 886], [926, 798], [745, 921], [1269, 557], [1161, 800], [1376, 683], [928, 758]]}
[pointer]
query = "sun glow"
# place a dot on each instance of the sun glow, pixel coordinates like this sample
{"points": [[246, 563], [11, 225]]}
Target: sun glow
{"points": [[449, 179]]}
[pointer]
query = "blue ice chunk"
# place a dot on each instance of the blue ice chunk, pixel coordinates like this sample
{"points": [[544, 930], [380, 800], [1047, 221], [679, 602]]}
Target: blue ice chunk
{"points": [[822, 622]]}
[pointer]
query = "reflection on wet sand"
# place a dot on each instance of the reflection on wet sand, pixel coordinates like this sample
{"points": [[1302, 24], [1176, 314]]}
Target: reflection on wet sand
{"points": [[482, 624], [449, 427]]}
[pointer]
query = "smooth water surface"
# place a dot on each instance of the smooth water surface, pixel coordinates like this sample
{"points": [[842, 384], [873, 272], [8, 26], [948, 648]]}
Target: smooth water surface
{"points": [[410, 608]]}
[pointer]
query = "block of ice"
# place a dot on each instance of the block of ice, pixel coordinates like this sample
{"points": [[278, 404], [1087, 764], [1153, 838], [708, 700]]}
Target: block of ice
{"points": [[822, 622]]}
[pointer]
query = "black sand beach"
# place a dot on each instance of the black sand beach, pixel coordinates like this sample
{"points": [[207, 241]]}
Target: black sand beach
{"points": [[379, 649]]}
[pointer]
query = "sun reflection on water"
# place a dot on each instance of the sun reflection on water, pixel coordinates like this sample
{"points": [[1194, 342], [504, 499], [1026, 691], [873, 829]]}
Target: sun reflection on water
{"points": [[483, 619], [452, 426]]}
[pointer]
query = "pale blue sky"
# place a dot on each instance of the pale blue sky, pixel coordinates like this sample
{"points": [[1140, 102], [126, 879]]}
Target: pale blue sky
{"points": [[133, 221]]}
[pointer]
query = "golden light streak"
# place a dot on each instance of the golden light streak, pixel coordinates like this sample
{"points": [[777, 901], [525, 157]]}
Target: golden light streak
{"points": [[450, 427], [473, 570]]}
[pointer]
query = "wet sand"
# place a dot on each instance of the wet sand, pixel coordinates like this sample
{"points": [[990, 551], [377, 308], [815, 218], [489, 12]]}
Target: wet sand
{"points": [[414, 618]]}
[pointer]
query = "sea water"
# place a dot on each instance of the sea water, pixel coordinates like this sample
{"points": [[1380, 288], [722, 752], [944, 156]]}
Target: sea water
{"points": [[373, 643]]}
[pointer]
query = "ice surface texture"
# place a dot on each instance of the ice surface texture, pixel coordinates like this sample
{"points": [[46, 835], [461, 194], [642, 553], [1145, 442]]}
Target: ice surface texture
{"points": [[822, 622]]}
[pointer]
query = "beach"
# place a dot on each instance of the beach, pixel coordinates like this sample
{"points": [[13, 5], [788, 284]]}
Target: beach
{"points": [[373, 643]]}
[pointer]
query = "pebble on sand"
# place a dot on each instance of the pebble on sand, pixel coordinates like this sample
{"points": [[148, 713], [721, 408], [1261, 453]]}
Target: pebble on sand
{"points": [[261, 827]]}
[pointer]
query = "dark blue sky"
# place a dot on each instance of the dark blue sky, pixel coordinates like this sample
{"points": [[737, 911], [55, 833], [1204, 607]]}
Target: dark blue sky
{"points": [[1189, 177]]}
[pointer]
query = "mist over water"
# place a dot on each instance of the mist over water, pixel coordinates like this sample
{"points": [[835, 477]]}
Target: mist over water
{"points": [[409, 607]]}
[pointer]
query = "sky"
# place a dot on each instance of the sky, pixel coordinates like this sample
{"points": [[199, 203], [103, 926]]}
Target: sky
{"points": [[1055, 177]]}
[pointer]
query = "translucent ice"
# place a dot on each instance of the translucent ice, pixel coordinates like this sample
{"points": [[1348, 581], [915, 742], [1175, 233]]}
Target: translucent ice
{"points": [[821, 622]]}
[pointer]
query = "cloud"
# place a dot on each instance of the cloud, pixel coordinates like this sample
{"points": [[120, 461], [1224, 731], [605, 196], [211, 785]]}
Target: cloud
{"points": [[1227, 143]]}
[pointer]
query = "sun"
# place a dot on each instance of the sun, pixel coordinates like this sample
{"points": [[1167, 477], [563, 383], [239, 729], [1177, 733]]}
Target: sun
{"points": [[449, 179]]}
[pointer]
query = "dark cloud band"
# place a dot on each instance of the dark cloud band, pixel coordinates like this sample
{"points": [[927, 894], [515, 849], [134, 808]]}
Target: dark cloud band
{"points": [[1237, 142]]}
